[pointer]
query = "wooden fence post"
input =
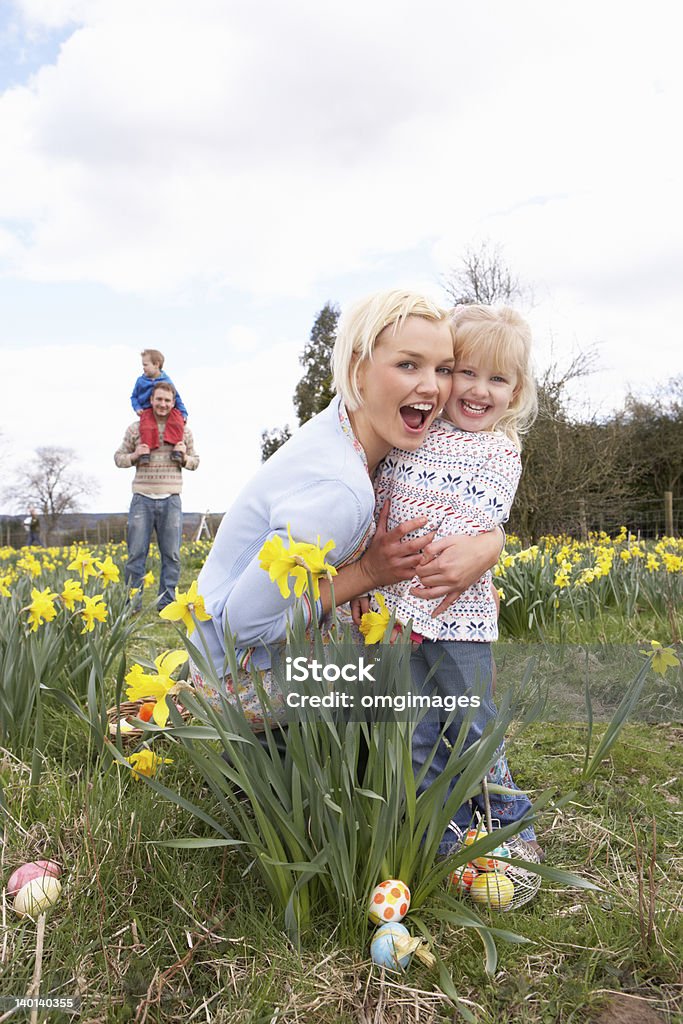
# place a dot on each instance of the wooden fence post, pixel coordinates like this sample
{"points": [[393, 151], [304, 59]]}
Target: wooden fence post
{"points": [[668, 514]]}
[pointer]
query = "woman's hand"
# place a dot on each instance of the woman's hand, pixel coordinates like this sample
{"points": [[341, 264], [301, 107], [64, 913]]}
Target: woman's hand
{"points": [[390, 558], [455, 563], [359, 606]]}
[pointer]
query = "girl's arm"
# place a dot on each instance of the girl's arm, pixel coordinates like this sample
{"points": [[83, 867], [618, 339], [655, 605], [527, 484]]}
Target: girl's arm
{"points": [[388, 559]]}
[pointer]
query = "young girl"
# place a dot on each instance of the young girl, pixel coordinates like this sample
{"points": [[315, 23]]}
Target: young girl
{"points": [[464, 477]]}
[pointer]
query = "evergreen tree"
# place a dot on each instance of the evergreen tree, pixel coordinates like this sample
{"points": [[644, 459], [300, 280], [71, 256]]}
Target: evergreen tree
{"points": [[314, 391]]}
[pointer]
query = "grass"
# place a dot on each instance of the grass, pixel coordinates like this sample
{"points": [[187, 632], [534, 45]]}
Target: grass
{"points": [[145, 933]]}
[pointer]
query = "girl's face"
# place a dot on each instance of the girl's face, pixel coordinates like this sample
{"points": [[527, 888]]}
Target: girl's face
{"points": [[403, 386], [481, 394]]}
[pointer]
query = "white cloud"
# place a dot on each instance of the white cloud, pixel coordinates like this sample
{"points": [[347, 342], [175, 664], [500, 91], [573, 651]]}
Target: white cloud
{"points": [[278, 150], [269, 147]]}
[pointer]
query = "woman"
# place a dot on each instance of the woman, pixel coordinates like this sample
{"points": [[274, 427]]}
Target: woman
{"points": [[393, 361]]}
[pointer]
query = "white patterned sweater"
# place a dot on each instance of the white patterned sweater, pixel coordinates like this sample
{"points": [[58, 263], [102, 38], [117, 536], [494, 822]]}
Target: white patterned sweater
{"points": [[465, 483]]}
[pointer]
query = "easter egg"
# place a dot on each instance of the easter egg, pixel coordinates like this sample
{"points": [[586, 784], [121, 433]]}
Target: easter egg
{"points": [[474, 834], [492, 889], [388, 944], [390, 901], [147, 710], [37, 895], [27, 872], [463, 877], [489, 862]]}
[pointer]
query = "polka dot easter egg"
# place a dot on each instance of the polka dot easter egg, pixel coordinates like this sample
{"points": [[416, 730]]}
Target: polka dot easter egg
{"points": [[489, 863], [492, 889], [390, 901], [474, 834], [463, 877]]}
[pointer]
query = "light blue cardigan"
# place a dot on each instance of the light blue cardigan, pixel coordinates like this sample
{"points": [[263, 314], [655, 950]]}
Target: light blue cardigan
{"points": [[318, 483]]}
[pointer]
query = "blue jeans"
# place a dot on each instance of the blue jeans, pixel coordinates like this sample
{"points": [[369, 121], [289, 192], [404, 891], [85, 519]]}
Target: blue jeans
{"points": [[462, 666], [164, 516]]}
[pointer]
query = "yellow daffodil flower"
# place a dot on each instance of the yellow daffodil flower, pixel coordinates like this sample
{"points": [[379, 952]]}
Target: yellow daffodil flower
{"points": [[373, 625], [141, 685], [94, 610], [84, 563], [72, 592], [663, 658], [42, 607], [183, 608], [107, 570], [4, 586], [148, 579], [30, 564], [298, 560], [146, 762]]}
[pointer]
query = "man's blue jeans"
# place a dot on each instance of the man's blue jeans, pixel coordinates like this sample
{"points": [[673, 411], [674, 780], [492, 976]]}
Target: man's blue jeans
{"points": [[163, 516], [462, 666]]}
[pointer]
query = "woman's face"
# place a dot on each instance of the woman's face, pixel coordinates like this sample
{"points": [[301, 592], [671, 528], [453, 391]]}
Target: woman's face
{"points": [[403, 386]]}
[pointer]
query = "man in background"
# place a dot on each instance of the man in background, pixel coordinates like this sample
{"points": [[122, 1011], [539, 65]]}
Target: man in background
{"points": [[156, 506]]}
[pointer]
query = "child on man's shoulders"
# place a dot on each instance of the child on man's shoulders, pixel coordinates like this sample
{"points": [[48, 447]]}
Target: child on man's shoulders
{"points": [[141, 400]]}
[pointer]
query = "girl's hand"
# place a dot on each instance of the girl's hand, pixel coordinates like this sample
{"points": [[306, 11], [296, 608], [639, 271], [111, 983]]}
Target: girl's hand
{"points": [[455, 563], [390, 558]]}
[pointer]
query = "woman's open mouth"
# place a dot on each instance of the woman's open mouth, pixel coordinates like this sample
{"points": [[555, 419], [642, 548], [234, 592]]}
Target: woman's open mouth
{"points": [[416, 415]]}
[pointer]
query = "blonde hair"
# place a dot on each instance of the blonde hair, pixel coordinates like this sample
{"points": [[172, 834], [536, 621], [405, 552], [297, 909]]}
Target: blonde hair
{"points": [[359, 328], [502, 336], [154, 356]]}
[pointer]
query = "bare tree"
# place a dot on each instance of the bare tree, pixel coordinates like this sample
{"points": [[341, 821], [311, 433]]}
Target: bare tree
{"points": [[483, 276], [50, 484]]}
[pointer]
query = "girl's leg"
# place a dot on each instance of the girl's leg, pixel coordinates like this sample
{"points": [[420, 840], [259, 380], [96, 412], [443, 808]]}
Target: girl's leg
{"points": [[460, 668]]}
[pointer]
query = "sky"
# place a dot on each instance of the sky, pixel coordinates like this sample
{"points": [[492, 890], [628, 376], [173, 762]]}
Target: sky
{"points": [[202, 178]]}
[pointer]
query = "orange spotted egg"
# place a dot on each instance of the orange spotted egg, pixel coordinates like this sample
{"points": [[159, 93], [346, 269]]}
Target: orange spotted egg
{"points": [[389, 902], [463, 877]]}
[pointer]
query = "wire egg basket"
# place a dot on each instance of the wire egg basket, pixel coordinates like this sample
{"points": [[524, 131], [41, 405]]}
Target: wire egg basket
{"points": [[526, 883]]}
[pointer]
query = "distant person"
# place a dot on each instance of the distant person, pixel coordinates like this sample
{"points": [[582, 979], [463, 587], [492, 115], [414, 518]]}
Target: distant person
{"points": [[32, 527], [156, 502], [153, 373]]}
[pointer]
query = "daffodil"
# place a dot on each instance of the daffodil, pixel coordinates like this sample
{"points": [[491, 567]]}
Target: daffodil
{"points": [[373, 625], [148, 579], [141, 685], [94, 610], [298, 559], [42, 607], [146, 762], [30, 563], [72, 592], [278, 563], [107, 570], [84, 563], [663, 658], [4, 586], [185, 607]]}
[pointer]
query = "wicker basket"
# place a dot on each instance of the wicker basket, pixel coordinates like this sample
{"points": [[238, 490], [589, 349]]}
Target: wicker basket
{"points": [[129, 709], [526, 883]]}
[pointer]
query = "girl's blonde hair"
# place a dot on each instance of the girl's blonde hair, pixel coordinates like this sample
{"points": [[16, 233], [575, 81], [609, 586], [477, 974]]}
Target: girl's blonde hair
{"points": [[359, 328], [501, 336]]}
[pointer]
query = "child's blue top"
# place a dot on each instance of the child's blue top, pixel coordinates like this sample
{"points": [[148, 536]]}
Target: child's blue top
{"points": [[142, 392]]}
